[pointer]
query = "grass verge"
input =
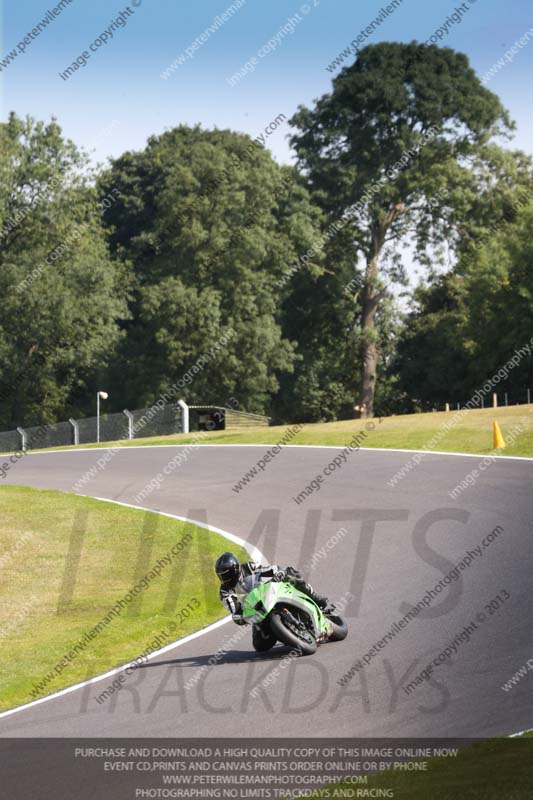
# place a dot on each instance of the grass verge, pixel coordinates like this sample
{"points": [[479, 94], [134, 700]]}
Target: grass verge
{"points": [[66, 561], [464, 432], [497, 769]]}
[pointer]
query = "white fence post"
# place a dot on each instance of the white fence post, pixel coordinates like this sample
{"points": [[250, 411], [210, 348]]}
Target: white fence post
{"points": [[495, 400], [130, 423], [184, 416], [76, 429], [24, 438]]}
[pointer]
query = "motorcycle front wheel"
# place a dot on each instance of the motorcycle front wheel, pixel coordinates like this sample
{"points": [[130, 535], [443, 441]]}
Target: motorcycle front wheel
{"points": [[292, 632]]}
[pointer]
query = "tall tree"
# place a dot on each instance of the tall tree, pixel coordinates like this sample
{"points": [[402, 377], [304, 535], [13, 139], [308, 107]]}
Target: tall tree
{"points": [[61, 293], [209, 222], [398, 152]]}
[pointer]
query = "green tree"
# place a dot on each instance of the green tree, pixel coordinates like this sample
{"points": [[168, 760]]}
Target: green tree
{"points": [[61, 293], [432, 359], [209, 222], [321, 320], [472, 321], [398, 151]]}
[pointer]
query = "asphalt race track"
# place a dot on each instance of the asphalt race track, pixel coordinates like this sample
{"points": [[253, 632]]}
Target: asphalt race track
{"points": [[399, 542]]}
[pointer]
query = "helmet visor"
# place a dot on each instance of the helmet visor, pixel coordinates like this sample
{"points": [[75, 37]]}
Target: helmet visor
{"points": [[228, 575]]}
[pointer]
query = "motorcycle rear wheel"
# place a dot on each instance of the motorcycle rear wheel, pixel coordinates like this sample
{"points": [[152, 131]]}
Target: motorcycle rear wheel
{"points": [[339, 628]]}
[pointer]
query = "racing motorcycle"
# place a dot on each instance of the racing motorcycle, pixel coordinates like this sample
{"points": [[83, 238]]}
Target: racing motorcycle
{"points": [[291, 616]]}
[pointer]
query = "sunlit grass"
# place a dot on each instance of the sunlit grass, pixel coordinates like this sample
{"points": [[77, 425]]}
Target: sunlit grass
{"points": [[469, 432], [66, 560]]}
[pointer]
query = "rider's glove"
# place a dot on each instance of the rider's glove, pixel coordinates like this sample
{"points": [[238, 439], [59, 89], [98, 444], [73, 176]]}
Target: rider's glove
{"points": [[279, 575]]}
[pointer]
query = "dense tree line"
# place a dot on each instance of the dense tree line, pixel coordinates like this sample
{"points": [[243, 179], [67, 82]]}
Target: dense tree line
{"points": [[124, 277]]}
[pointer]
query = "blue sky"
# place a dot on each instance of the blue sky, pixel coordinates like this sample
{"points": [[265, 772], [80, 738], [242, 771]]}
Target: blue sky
{"points": [[118, 99]]}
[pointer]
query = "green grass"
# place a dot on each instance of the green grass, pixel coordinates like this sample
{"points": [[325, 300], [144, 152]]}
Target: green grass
{"points": [[117, 547], [468, 433], [498, 769]]}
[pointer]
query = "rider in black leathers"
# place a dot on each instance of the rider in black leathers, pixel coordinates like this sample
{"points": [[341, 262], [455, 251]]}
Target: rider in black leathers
{"points": [[232, 575]]}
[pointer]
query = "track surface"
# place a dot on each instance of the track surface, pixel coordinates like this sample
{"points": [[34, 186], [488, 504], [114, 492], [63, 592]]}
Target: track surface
{"points": [[402, 563]]}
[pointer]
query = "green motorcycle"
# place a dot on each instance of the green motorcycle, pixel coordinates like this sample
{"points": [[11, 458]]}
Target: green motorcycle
{"points": [[291, 617]]}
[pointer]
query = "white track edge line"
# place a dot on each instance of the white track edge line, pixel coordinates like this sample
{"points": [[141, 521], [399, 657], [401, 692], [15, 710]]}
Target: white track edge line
{"points": [[254, 552], [520, 733], [273, 444]]}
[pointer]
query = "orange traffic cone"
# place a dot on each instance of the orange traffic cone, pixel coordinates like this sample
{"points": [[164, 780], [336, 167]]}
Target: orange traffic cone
{"points": [[498, 442]]}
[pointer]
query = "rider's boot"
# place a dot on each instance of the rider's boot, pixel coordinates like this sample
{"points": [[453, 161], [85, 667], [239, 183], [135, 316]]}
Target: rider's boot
{"points": [[296, 579], [322, 602]]}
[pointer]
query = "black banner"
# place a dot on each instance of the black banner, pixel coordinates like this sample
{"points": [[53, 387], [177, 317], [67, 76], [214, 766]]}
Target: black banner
{"points": [[120, 769]]}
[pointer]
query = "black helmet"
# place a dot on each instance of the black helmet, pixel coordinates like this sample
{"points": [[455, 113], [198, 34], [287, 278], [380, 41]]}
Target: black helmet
{"points": [[228, 568]]}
